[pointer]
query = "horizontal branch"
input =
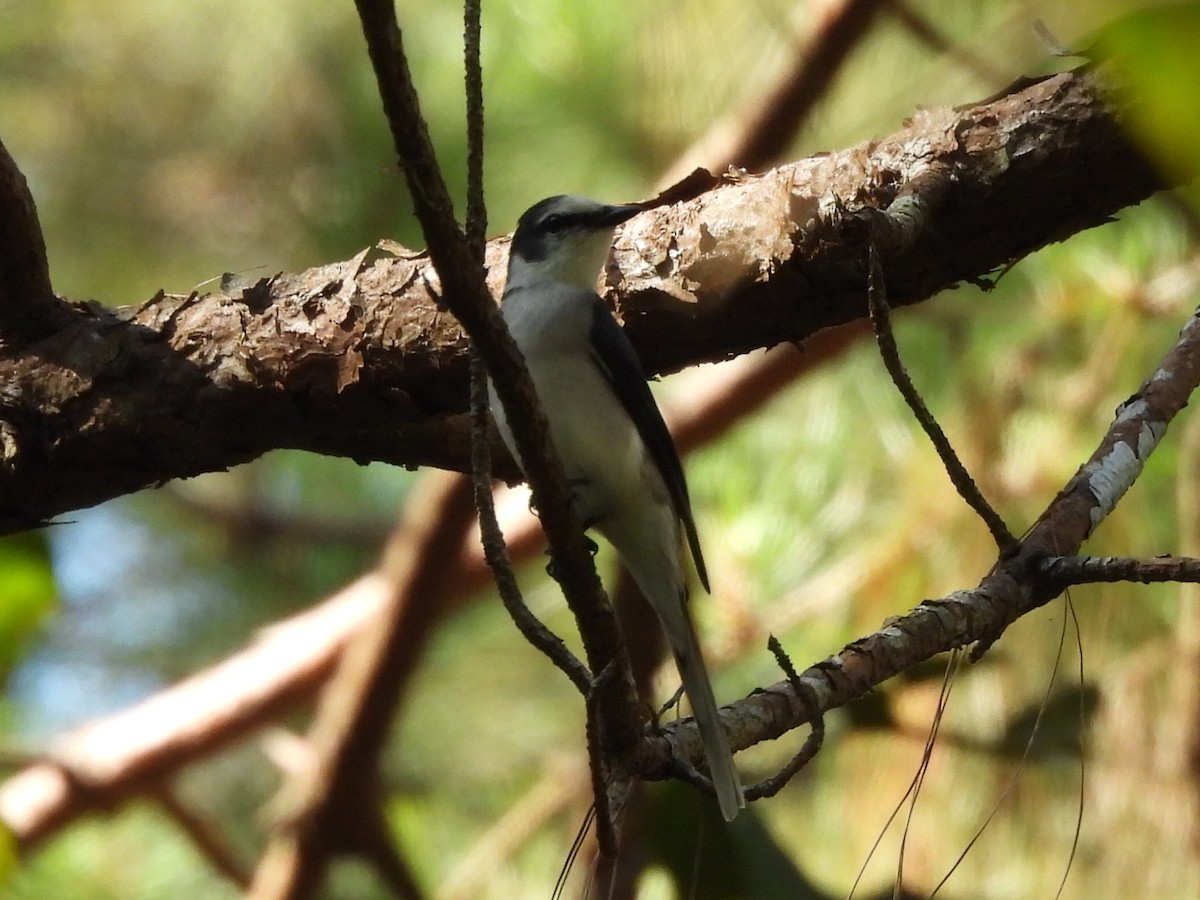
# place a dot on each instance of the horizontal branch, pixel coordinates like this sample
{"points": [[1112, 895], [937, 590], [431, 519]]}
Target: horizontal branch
{"points": [[359, 359], [1068, 570]]}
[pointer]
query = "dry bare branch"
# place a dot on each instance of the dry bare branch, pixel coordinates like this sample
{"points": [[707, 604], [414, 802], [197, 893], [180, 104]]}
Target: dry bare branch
{"points": [[1014, 587], [1063, 571], [959, 476], [333, 807]]}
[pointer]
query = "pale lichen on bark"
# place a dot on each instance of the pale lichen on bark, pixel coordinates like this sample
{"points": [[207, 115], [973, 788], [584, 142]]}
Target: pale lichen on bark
{"points": [[1110, 477]]}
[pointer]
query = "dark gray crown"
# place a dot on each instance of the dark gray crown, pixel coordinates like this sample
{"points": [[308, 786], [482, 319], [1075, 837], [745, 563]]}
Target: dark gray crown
{"points": [[548, 221]]}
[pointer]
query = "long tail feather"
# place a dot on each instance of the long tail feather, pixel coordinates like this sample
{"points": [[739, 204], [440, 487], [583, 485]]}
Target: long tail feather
{"points": [[692, 670]]}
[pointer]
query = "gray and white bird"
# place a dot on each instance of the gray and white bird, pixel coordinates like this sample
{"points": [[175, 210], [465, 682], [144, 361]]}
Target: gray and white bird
{"points": [[622, 468]]}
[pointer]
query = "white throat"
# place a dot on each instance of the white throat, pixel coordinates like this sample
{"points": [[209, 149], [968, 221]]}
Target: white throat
{"points": [[576, 260]]}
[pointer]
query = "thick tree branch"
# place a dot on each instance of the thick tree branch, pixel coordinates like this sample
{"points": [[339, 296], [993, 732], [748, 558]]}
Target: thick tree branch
{"points": [[359, 359]]}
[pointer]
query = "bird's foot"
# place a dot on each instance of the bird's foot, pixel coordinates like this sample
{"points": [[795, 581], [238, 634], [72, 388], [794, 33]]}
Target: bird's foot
{"points": [[592, 547]]}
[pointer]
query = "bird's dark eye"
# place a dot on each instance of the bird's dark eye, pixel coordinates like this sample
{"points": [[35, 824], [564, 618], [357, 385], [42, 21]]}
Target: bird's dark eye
{"points": [[554, 223]]}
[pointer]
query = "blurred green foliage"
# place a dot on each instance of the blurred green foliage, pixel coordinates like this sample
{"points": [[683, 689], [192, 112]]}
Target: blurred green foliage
{"points": [[1151, 55], [28, 591], [168, 143], [138, 854]]}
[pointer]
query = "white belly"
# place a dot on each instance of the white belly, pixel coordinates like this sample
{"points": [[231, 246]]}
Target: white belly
{"points": [[616, 486], [602, 453]]}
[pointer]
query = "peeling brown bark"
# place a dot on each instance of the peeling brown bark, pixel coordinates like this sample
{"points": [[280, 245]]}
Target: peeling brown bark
{"points": [[358, 359], [352, 359]]}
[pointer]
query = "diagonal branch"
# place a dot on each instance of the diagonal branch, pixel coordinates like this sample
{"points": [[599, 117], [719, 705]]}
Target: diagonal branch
{"points": [[959, 476], [333, 806], [359, 359], [205, 836], [761, 139], [495, 551], [1016, 585], [111, 759]]}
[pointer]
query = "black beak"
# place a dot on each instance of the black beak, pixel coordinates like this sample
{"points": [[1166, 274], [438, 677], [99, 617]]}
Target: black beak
{"points": [[615, 215]]}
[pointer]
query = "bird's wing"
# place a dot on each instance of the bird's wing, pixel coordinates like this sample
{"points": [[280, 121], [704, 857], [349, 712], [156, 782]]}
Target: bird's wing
{"points": [[616, 358]]}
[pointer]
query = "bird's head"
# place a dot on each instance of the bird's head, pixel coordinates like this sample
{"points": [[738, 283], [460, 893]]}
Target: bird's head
{"points": [[564, 239]]}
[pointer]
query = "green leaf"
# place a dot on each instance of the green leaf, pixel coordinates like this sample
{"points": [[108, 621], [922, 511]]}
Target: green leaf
{"points": [[1151, 56], [8, 855], [27, 594], [709, 859]]}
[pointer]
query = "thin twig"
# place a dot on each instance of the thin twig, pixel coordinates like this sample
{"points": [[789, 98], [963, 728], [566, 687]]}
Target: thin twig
{"points": [[953, 664], [1014, 778], [465, 293], [769, 787], [476, 227], [1063, 571], [1083, 751], [204, 836], [914, 784], [959, 476], [495, 551], [602, 774]]}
